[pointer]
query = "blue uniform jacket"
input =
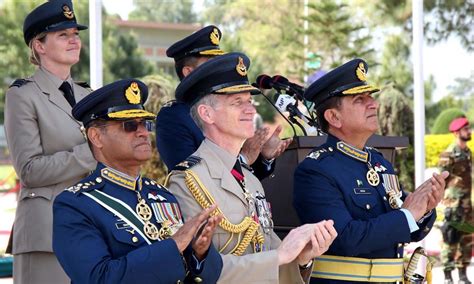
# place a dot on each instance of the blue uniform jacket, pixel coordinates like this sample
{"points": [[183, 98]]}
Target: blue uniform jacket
{"points": [[329, 184], [95, 246], [178, 136]]}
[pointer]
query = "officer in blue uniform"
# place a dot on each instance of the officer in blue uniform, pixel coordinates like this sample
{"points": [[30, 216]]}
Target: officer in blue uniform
{"points": [[357, 187], [177, 135], [116, 226]]}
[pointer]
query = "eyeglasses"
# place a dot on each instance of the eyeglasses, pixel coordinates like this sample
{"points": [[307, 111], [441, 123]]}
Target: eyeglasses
{"points": [[132, 125]]}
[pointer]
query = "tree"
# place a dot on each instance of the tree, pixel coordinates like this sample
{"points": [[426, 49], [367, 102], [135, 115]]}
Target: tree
{"points": [[446, 18], [395, 108], [168, 11], [335, 34], [274, 41], [441, 125], [160, 90]]}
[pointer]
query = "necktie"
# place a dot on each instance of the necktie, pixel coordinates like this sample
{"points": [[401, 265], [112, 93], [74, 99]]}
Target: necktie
{"points": [[68, 94], [238, 174]]}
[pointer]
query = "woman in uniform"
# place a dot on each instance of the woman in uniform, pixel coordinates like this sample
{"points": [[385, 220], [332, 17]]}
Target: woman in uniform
{"points": [[47, 147]]}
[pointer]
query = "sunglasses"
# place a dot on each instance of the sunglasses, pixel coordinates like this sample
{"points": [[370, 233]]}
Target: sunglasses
{"points": [[132, 125]]}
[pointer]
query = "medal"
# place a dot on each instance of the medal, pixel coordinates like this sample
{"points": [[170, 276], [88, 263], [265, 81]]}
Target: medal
{"points": [[145, 213], [372, 177], [143, 210], [392, 188]]}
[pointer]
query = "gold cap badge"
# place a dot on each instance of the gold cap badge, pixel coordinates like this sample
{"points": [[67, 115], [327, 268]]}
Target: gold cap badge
{"points": [[68, 13], [360, 72], [133, 93], [214, 37], [241, 68]]}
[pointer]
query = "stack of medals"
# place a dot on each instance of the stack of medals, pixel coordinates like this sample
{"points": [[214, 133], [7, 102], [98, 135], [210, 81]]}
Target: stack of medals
{"points": [[144, 212], [392, 188]]}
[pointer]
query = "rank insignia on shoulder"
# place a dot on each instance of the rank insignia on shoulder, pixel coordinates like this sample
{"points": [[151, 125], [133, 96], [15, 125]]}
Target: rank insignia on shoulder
{"points": [[86, 185], [152, 183], [190, 162], [169, 103], [83, 84], [19, 82], [316, 154]]}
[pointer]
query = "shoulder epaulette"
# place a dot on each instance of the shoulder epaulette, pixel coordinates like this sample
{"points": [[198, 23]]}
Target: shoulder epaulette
{"points": [[320, 152], [169, 103], [152, 183], [19, 82], [83, 84], [89, 183], [190, 162]]}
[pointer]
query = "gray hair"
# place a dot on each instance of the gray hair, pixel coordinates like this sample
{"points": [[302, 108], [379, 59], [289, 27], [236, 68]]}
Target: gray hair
{"points": [[209, 100]]}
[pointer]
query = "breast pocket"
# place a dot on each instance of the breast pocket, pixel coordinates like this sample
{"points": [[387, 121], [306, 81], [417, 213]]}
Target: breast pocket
{"points": [[127, 236], [364, 205]]}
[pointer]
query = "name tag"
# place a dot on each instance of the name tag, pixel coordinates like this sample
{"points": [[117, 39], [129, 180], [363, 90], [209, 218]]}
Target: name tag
{"points": [[359, 190]]}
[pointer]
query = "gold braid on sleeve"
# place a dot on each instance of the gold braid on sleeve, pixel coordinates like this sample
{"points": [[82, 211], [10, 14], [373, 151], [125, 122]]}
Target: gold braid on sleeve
{"points": [[204, 198]]}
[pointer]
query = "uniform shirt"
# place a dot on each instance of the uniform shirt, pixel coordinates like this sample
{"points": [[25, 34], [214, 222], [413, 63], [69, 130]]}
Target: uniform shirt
{"points": [[48, 150], [94, 245], [332, 185], [178, 136], [214, 171], [457, 162]]}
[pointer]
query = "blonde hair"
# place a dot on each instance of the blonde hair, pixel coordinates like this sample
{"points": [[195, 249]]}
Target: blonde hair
{"points": [[34, 57]]}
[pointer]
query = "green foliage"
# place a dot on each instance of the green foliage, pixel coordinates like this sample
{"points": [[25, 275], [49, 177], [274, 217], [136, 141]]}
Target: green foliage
{"points": [[452, 18], [463, 227], [435, 144], [394, 67], [433, 110], [441, 124], [161, 90], [168, 11], [335, 34], [447, 18], [396, 119]]}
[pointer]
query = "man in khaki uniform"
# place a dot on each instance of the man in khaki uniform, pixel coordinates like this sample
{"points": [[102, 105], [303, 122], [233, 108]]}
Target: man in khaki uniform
{"points": [[457, 198], [220, 97]]}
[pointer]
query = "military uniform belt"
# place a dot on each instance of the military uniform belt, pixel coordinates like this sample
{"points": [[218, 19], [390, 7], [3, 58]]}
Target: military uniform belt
{"points": [[358, 269]]}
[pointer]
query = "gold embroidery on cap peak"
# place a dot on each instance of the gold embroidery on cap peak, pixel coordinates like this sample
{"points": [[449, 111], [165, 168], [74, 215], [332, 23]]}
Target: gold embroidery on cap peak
{"points": [[68, 13], [214, 37], [133, 93], [241, 68], [360, 72]]}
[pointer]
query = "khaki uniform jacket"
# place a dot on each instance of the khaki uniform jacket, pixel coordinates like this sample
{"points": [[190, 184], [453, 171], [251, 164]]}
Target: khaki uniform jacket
{"points": [[49, 153], [214, 171]]}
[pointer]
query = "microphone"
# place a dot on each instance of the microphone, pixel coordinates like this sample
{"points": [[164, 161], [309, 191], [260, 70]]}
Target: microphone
{"points": [[285, 102], [292, 87], [264, 81]]}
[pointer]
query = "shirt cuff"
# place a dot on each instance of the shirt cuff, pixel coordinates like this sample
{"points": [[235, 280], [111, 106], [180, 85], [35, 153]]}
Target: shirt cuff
{"points": [[411, 221]]}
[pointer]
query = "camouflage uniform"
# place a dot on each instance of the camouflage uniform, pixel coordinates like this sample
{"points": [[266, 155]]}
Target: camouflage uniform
{"points": [[457, 199]]}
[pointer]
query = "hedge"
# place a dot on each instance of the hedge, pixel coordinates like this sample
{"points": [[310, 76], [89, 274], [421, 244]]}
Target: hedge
{"points": [[437, 143]]}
